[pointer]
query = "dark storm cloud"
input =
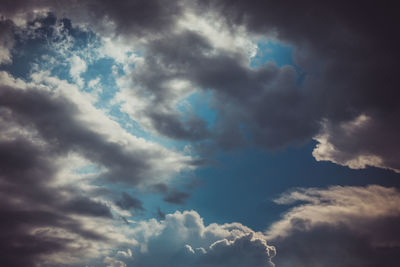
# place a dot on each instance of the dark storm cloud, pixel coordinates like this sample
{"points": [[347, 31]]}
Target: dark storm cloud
{"points": [[139, 17], [28, 202], [339, 226], [254, 97], [336, 246], [348, 53]]}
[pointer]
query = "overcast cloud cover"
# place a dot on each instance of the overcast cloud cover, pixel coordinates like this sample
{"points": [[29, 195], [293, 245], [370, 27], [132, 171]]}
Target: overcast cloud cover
{"points": [[107, 107]]}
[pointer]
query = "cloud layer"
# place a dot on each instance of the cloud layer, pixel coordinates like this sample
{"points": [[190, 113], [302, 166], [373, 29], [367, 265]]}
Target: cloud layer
{"points": [[338, 226], [182, 239], [346, 55], [70, 163]]}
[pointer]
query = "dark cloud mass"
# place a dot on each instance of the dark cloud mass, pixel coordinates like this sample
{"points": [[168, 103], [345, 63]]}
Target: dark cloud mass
{"points": [[342, 90], [348, 53], [30, 207], [339, 226]]}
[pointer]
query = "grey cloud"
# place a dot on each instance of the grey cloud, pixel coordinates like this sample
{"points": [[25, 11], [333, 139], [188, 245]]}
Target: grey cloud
{"points": [[135, 18], [171, 195], [128, 202], [160, 188], [347, 52], [87, 206], [258, 98], [339, 226], [6, 41], [54, 119], [45, 219], [354, 143], [29, 206], [176, 197], [160, 214]]}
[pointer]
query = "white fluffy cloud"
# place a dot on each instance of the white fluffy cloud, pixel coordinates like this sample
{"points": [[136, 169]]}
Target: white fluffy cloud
{"points": [[182, 239]]}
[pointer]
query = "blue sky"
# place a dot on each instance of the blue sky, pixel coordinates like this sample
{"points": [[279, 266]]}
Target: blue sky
{"points": [[187, 137]]}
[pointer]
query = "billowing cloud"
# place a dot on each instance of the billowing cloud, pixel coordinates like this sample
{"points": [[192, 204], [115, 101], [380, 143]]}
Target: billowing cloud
{"points": [[345, 57], [338, 226], [76, 125], [54, 213], [182, 239], [348, 53], [64, 155]]}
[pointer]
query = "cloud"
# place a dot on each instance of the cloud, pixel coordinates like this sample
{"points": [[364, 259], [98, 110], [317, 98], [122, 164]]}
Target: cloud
{"points": [[78, 66], [347, 72], [346, 99], [182, 239], [354, 144], [129, 202], [138, 18], [348, 53], [176, 197], [347, 63], [54, 214], [338, 226], [75, 125], [44, 222], [6, 41]]}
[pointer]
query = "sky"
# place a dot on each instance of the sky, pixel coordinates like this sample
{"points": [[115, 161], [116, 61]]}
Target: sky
{"points": [[199, 133]]}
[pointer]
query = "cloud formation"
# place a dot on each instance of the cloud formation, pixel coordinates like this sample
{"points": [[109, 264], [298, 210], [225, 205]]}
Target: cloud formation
{"points": [[49, 131], [182, 239], [59, 151], [346, 54], [338, 226]]}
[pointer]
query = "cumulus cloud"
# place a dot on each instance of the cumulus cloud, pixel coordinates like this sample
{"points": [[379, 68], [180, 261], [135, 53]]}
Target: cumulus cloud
{"points": [[338, 226], [182, 239]]}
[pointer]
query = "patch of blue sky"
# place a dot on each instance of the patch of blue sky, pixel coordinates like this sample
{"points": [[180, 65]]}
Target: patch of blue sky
{"points": [[278, 53], [271, 51], [51, 43], [46, 44], [102, 69], [262, 176], [88, 169], [199, 103]]}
